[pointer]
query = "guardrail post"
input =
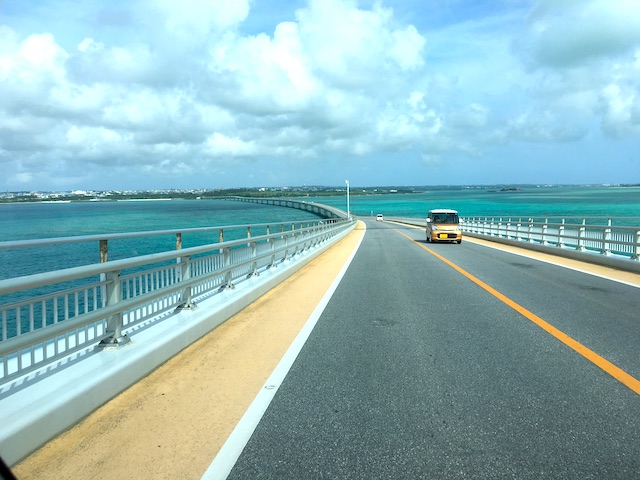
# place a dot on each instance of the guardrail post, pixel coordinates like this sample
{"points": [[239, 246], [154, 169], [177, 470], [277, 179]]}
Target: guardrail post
{"points": [[185, 274], [221, 238], [104, 250], [311, 228], [530, 232], [560, 244], [285, 237], [272, 246], [582, 233], [636, 247], [114, 323], [104, 257], [606, 239], [305, 234], [254, 265], [302, 237], [226, 262], [544, 232], [296, 241]]}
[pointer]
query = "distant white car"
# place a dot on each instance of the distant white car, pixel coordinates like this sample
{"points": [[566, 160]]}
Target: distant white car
{"points": [[379, 218]]}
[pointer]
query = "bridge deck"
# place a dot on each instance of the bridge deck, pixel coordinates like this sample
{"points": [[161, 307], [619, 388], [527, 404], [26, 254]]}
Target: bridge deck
{"points": [[171, 424]]}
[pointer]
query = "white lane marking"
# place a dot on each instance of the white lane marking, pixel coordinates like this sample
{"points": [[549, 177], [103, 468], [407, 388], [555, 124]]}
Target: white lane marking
{"points": [[228, 455]]}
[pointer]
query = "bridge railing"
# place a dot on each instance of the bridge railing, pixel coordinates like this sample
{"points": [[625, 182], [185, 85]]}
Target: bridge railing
{"points": [[603, 239], [599, 243], [317, 208], [54, 314]]}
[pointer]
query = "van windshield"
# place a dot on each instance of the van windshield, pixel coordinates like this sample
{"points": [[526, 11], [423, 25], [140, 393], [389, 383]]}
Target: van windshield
{"points": [[445, 218]]}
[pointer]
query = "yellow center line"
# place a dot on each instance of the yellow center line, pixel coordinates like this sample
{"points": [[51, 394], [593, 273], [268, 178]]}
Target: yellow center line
{"points": [[613, 370]]}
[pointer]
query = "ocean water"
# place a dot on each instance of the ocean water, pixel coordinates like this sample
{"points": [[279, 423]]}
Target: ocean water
{"points": [[57, 219], [622, 204], [43, 220]]}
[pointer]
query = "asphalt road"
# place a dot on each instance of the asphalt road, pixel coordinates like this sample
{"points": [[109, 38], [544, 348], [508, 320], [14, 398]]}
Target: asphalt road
{"points": [[414, 370]]}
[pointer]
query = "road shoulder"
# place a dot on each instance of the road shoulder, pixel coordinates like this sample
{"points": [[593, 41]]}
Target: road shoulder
{"points": [[602, 271], [173, 422]]}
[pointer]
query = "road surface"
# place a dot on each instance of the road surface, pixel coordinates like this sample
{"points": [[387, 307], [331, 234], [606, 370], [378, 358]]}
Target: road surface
{"points": [[458, 361]]}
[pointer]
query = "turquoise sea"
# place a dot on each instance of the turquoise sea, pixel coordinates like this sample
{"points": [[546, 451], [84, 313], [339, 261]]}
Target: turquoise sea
{"points": [[619, 203], [43, 220], [27, 221]]}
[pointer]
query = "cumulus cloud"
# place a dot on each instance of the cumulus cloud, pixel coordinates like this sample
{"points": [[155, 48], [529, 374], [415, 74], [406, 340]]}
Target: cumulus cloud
{"points": [[621, 108], [572, 32], [195, 19], [542, 127], [164, 93], [585, 57]]}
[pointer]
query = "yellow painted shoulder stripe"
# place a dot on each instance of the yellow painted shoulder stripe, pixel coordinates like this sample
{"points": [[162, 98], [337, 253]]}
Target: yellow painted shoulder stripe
{"points": [[613, 370]]}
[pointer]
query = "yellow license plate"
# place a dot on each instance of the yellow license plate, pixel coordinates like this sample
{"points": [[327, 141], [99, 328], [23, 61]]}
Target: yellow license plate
{"points": [[443, 235]]}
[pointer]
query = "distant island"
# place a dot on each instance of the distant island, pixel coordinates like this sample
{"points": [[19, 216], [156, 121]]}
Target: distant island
{"points": [[194, 194], [256, 192]]}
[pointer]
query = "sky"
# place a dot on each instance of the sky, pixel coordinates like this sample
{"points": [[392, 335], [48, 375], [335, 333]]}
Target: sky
{"points": [[191, 94]]}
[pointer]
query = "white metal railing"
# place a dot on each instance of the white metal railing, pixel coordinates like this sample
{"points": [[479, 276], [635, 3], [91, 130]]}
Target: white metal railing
{"points": [[47, 316], [603, 239]]}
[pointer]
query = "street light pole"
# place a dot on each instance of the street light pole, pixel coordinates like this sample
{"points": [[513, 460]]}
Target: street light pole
{"points": [[348, 211]]}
